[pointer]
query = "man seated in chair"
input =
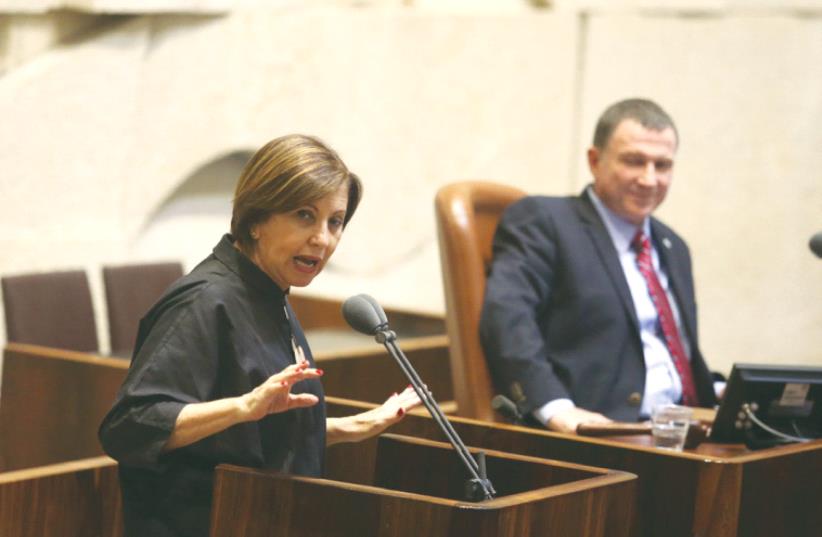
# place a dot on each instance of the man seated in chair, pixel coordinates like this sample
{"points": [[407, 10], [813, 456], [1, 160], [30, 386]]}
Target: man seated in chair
{"points": [[589, 312]]}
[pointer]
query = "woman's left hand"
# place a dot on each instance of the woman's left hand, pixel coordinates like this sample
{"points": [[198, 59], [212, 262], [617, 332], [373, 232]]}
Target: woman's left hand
{"points": [[372, 422], [394, 408]]}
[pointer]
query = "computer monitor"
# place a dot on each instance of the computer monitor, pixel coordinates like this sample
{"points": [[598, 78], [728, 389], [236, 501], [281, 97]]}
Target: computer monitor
{"points": [[787, 399]]}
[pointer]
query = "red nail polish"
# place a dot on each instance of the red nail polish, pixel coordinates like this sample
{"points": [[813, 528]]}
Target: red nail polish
{"points": [[319, 371], [409, 386], [400, 412]]}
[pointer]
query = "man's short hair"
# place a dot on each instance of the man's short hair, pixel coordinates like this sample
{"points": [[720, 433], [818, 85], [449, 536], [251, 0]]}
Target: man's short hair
{"points": [[645, 112]]}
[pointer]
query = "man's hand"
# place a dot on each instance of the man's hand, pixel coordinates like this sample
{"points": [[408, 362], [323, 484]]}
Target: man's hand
{"points": [[567, 421]]}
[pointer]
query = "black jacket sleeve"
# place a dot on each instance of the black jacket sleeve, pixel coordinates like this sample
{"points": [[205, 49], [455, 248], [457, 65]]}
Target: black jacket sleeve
{"points": [[175, 363], [519, 287]]}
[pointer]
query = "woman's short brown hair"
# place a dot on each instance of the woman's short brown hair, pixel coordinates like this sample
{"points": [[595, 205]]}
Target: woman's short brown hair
{"points": [[285, 174]]}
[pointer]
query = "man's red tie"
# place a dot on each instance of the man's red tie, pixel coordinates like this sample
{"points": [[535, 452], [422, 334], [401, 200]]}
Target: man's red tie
{"points": [[642, 247]]}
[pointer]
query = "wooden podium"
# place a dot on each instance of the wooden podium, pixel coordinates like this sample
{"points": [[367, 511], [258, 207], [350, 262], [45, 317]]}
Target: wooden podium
{"points": [[71, 499], [715, 490], [415, 487], [53, 401]]}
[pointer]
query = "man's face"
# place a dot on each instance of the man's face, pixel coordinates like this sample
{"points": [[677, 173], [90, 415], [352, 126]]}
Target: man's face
{"points": [[632, 174]]}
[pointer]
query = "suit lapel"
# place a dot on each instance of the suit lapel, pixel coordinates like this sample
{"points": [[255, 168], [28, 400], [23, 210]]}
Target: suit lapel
{"points": [[664, 247], [607, 254]]}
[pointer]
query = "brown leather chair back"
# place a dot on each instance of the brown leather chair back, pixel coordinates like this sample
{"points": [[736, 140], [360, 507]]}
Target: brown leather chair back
{"points": [[52, 309], [467, 216], [131, 290]]}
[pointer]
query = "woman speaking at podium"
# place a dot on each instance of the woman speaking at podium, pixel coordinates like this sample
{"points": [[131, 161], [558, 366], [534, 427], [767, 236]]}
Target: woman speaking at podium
{"points": [[222, 372]]}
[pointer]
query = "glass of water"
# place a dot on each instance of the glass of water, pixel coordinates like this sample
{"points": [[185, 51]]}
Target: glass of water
{"points": [[669, 425]]}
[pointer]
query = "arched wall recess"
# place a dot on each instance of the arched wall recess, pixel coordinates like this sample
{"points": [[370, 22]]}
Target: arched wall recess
{"points": [[191, 219]]}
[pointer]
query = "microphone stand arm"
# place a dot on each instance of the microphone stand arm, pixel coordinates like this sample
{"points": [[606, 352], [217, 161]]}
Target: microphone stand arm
{"points": [[479, 487]]}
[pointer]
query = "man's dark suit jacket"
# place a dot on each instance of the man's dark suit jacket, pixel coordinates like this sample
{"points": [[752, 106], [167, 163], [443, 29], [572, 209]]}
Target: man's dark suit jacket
{"points": [[558, 320]]}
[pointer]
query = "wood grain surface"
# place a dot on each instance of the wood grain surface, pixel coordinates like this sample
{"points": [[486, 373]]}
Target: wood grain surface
{"points": [[52, 402], [714, 490], [416, 490], [74, 499]]}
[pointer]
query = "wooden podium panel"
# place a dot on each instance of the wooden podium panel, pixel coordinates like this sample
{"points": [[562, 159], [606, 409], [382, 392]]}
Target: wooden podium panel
{"points": [[53, 400], [370, 374], [415, 489], [317, 313], [716, 490], [72, 499], [51, 403]]}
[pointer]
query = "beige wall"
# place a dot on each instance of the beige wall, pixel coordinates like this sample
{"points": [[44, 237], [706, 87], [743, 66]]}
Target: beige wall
{"points": [[97, 134]]}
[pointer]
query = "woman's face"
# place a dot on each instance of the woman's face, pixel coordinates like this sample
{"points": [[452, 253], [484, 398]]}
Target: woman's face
{"points": [[293, 247]]}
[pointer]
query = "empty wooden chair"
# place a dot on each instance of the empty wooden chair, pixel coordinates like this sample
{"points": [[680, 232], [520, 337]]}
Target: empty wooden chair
{"points": [[131, 290], [52, 309]]}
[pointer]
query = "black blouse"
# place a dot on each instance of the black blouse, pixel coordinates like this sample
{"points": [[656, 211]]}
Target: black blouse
{"points": [[218, 332]]}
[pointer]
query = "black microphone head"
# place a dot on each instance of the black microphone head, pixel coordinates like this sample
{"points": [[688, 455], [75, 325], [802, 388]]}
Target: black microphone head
{"points": [[377, 308], [360, 315], [816, 244]]}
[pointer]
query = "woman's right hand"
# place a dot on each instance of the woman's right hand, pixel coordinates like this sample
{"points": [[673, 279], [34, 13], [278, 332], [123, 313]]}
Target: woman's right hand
{"points": [[200, 420], [274, 395]]}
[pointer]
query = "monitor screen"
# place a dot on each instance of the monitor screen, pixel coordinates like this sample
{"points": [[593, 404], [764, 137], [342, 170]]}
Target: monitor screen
{"points": [[787, 399]]}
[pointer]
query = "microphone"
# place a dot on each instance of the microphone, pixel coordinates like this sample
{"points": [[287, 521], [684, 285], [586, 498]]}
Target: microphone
{"points": [[365, 315], [362, 316], [816, 244], [507, 408], [377, 309]]}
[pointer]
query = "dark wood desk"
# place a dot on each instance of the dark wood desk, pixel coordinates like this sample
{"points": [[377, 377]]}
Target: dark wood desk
{"points": [[370, 374], [51, 403], [415, 487], [317, 313], [716, 490], [71, 499], [55, 400]]}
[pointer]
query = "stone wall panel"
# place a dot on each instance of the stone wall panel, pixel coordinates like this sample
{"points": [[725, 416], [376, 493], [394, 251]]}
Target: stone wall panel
{"points": [[747, 193]]}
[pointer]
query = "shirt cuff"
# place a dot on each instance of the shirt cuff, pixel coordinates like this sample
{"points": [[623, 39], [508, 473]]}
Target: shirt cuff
{"points": [[550, 409]]}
